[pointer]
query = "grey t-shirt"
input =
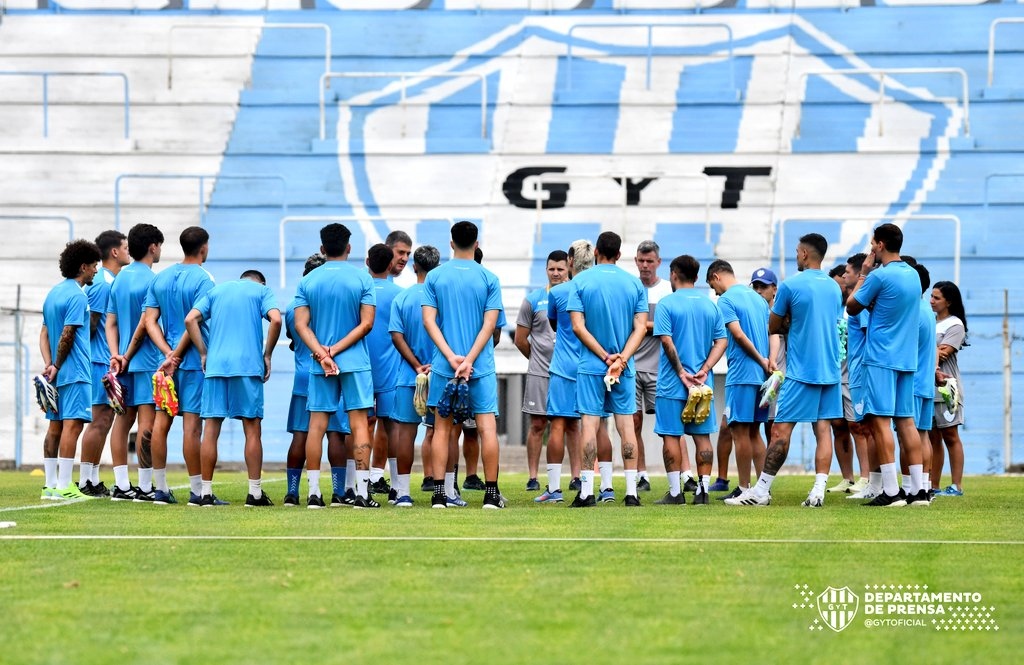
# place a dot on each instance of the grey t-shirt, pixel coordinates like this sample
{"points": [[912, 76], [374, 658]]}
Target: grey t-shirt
{"points": [[533, 315], [950, 331], [646, 357]]}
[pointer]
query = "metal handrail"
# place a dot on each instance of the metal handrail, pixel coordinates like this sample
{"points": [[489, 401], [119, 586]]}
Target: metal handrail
{"points": [[201, 178], [881, 85], [333, 218], [46, 93], [992, 44], [650, 36], [993, 176], [892, 218], [42, 218], [529, 6], [269, 26], [402, 76], [549, 177]]}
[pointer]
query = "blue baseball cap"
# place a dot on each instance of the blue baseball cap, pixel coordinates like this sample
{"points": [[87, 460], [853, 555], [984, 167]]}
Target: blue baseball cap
{"points": [[764, 276]]}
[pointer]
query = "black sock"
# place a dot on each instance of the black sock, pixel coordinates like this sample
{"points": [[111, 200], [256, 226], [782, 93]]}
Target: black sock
{"points": [[491, 488], [439, 489]]}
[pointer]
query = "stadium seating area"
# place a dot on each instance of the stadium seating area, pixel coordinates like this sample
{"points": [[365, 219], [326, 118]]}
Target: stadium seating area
{"points": [[737, 129]]}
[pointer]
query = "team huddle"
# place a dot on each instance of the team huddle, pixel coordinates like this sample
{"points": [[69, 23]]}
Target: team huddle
{"points": [[123, 345]]}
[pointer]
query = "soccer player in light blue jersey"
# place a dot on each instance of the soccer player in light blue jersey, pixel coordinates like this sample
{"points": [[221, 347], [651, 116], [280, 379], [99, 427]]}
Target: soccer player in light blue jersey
{"points": [[334, 311], [891, 291], [608, 309], [924, 390], [235, 372], [692, 335], [64, 345], [461, 309], [807, 311], [134, 358], [113, 246], [856, 337], [386, 361], [416, 348], [745, 313], [172, 295]]}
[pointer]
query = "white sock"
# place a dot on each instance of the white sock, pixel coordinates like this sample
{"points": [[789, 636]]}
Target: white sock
{"points": [[449, 483], [916, 474], [160, 479], [685, 475], [65, 465], [906, 483], [350, 475], [927, 482], [554, 477], [606, 474], [673, 483], [207, 488], [313, 480], [95, 474], [875, 481], [890, 482], [145, 479], [376, 474], [84, 473], [393, 469], [586, 484], [50, 471], [121, 478], [820, 480], [643, 474], [630, 482], [255, 488], [363, 483], [705, 483], [402, 479], [195, 484], [763, 486]]}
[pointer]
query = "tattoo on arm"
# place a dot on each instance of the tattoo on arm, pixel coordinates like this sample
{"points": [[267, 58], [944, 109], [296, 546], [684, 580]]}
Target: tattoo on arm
{"points": [[64, 345]]}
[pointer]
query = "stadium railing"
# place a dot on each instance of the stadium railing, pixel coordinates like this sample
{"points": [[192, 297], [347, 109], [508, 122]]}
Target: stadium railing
{"points": [[45, 218], [992, 44], [45, 76]]}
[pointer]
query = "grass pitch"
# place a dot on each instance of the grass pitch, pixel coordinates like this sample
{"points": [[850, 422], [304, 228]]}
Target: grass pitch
{"points": [[533, 583]]}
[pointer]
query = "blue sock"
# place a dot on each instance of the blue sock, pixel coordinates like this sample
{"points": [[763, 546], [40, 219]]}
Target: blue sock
{"points": [[294, 475], [338, 479]]}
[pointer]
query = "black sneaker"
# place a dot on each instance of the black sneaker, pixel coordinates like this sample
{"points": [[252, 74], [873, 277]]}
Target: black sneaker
{"points": [[532, 485], [690, 485], [290, 500], [211, 501], [101, 490], [393, 496], [736, 491], [380, 487], [575, 484], [338, 501], [439, 501], [252, 502], [493, 501], [589, 502], [921, 499], [87, 489], [701, 499], [427, 485], [349, 498], [669, 500], [634, 501], [643, 485], [363, 502], [123, 495], [474, 482], [898, 500], [315, 502], [144, 497]]}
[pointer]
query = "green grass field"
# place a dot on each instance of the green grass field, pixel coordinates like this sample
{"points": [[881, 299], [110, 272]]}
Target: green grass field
{"points": [[533, 583]]}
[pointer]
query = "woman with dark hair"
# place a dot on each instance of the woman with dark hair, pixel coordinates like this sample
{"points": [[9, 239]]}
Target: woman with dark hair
{"points": [[951, 335]]}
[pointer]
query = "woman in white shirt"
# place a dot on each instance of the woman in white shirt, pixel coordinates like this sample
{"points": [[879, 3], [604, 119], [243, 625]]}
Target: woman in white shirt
{"points": [[951, 336]]}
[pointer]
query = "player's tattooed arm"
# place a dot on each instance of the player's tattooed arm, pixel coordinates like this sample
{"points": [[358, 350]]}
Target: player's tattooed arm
{"points": [[64, 345]]}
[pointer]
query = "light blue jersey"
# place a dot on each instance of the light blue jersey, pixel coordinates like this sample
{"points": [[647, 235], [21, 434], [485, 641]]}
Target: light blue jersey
{"points": [[565, 360], [127, 298], [892, 292], [98, 294], [461, 291], [815, 303], [67, 305], [236, 311], [334, 293], [300, 383], [927, 352], [386, 359], [175, 291], [407, 318], [694, 324], [856, 338], [609, 298], [743, 304]]}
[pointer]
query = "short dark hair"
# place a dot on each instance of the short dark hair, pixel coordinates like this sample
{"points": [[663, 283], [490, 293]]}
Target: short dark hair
{"points": [[686, 267], [478, 255], [857, 260], [608, 245], [909, 260], [926, 278], [717, 266], [464, 234], [426, 258], [313, 262], [107, 241], [334, 238], [379, 258], [254, 275], [140, 237], [558, 255], [837, 271], [76, 254], [192, 240], [816, 242], [890, 235], [396, 237]]}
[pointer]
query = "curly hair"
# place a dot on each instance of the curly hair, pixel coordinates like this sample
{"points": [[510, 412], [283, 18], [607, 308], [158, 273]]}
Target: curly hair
{"points": [[75, 255]]}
